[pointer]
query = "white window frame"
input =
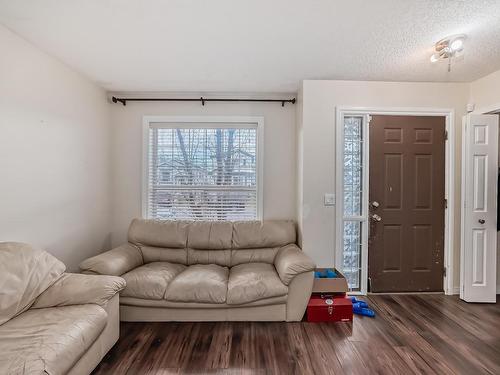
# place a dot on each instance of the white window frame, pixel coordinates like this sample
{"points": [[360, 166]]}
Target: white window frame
{"points": [[449, 115], [341, 217], [197, 122]]}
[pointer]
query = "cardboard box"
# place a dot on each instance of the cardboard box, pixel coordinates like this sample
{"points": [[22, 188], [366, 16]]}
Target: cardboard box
{"points": [[336, 285]]}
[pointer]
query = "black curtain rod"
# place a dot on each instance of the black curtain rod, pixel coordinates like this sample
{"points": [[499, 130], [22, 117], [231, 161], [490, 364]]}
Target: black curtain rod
{"points": [[202, 100]]}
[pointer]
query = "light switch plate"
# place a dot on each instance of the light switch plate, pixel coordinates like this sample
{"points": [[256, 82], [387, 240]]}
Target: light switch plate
{"points": [[329, 199]]}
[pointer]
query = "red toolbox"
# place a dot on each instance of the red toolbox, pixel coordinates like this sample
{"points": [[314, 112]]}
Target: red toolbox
{"points": [[328, 308]]}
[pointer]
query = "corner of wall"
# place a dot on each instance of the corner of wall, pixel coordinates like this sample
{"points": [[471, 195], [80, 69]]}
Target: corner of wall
{"points": [[299, 162], [484, 93]]}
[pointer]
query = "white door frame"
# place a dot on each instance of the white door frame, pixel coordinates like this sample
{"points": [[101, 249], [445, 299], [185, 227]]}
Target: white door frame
{"points": [[449, 115]]}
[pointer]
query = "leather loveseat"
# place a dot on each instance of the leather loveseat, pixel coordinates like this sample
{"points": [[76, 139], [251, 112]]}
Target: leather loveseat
{"points": [[209, 271], [52, 322]]}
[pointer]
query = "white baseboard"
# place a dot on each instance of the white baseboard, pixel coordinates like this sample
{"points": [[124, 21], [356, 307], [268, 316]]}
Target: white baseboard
{"points": [[456, 289]]}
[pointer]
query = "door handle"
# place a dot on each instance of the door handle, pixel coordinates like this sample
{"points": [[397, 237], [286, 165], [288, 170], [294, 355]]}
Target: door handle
{"points": [[376, 217], [482, 221]]}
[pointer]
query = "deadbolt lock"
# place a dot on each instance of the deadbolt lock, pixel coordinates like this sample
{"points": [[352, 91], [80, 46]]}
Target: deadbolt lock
{"points": [[375, 204]]}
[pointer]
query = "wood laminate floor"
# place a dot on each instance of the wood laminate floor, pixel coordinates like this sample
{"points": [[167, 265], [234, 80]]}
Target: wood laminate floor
{"points": [[430, 334]]}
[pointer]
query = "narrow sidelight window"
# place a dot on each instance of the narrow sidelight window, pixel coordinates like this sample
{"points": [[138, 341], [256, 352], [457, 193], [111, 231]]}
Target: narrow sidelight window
{"points": [[352, 228]]}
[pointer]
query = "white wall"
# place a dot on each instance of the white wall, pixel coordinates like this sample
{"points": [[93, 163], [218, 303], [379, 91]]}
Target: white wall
{"points": [[317, 164], [54, 154], [485, 93], [279, 154]]}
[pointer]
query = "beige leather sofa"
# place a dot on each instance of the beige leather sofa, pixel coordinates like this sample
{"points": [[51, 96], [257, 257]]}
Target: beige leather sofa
{"points": [[52, 322], [209, 271]]}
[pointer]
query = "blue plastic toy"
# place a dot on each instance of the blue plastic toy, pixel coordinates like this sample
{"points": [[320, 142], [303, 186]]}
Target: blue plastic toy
{"points": [[358, 301], [365, 311], [325, 274], [330, 273], [361, 308], [318, 274]]}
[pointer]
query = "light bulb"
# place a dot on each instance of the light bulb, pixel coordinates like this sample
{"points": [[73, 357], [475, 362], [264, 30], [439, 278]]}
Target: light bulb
{"points": [[457, 44], [434, 58]]}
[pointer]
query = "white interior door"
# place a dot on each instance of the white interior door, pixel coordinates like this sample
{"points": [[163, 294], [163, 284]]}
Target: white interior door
{"points": [[479, 195]]}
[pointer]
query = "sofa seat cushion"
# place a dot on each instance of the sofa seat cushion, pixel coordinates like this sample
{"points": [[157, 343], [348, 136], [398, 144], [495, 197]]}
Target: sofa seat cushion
{"points": [[50, 340], [151, 280], [252, 282], [203, 283]]}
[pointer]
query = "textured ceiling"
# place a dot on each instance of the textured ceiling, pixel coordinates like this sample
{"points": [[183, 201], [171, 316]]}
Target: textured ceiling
{"points": [[256, 45]]}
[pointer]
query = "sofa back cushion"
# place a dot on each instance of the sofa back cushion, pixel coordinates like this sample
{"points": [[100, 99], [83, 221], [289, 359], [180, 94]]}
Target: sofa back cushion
{"points": [[160, 233], [210, 235], [209, 242], [265, 234], [265, 255], [224, 243], [219, 257], [163, 254], [25, 272]]}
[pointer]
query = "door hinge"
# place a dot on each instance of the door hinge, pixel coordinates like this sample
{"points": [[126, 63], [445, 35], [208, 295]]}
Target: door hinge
{"points": [[444, 271], [369, 118], [445, 203], [446, 135]]}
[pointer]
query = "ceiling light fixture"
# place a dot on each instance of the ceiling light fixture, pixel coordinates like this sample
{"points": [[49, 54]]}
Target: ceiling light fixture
{"points": [[448, 48], [457, 45]]}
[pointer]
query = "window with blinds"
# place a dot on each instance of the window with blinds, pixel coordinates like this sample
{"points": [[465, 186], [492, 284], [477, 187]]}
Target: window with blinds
{"points": [[203, 172]]}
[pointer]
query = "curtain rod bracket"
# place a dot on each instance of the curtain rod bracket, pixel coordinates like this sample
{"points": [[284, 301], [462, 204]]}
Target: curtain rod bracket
{"points": [[202, 101], [116, 100]]}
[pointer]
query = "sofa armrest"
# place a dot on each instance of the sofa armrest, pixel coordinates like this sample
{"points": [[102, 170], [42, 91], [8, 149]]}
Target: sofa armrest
{"points": [[79, 289], [114, 262], [291, 261]]}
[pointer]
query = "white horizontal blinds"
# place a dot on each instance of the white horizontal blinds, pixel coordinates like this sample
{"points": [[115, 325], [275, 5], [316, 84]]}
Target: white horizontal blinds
{"points": [[203, 173]]}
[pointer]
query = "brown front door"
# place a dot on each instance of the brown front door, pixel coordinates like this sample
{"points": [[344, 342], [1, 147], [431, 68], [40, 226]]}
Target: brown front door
{"points": [[407, 177]]}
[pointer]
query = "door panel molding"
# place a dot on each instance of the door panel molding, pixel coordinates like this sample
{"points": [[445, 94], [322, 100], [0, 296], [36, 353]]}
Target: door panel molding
{"points": [[480, 192], [449, 115], [479, 248], [422, 237], [423, 168]]}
